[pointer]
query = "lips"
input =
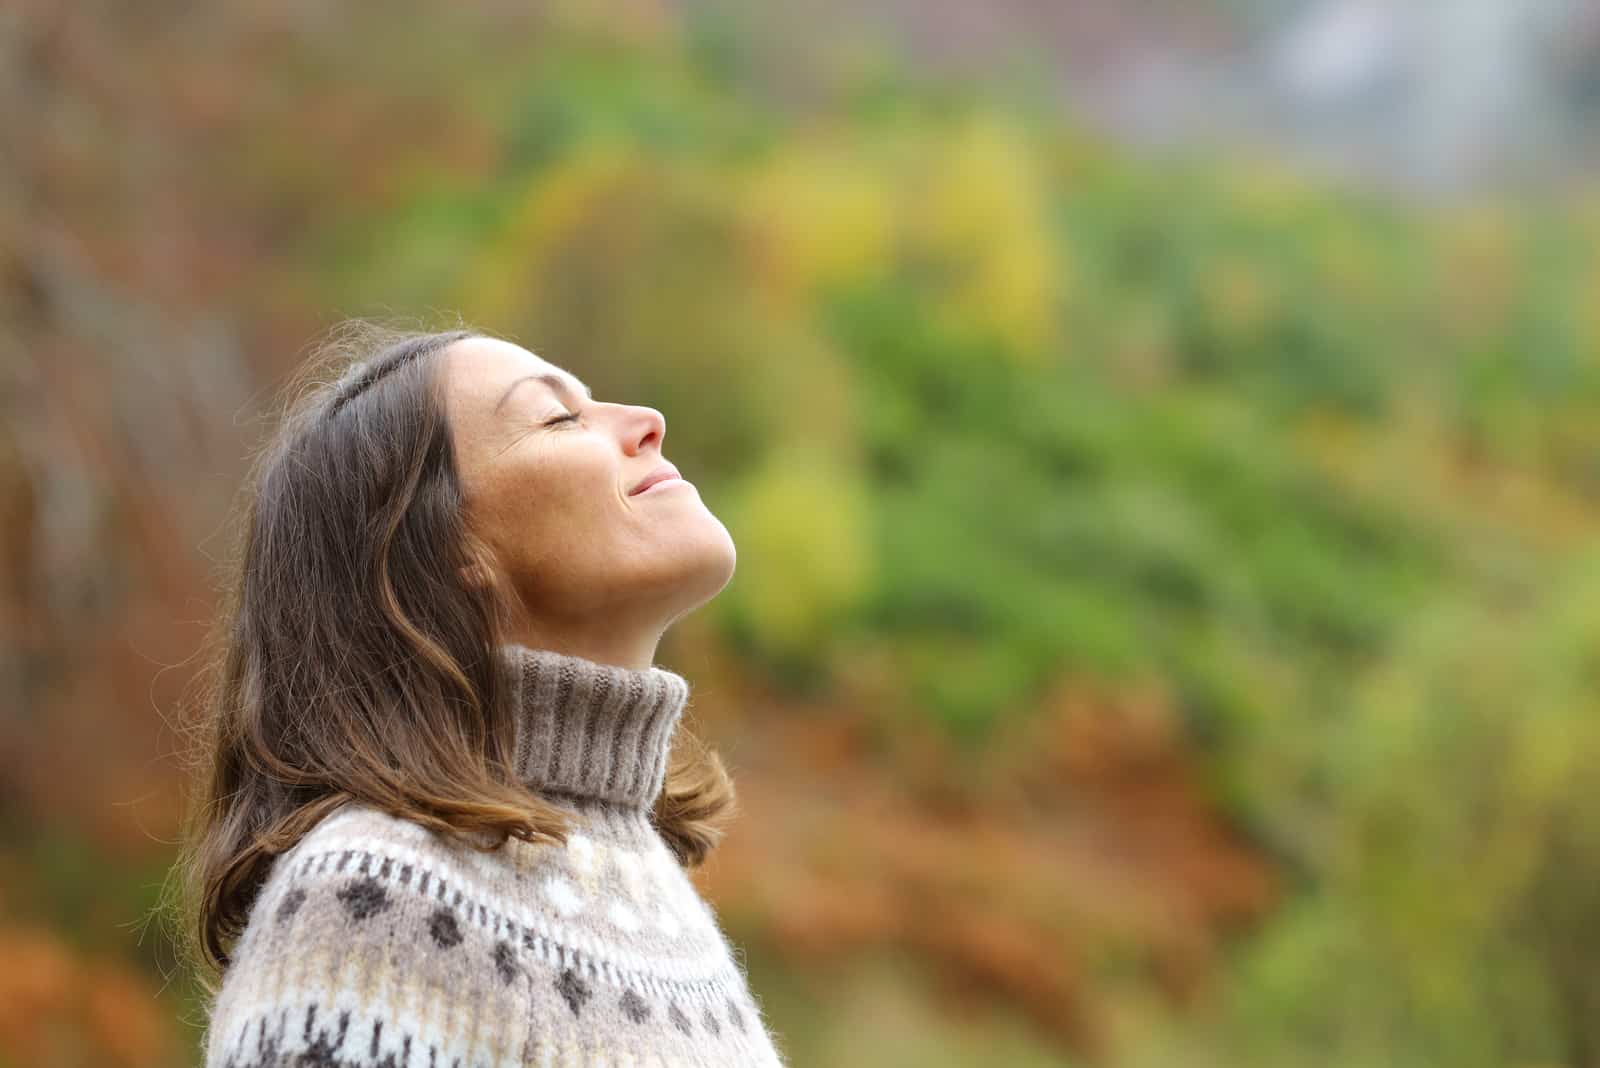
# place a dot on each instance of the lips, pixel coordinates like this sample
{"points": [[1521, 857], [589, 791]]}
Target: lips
{"points": [[665, 471]]}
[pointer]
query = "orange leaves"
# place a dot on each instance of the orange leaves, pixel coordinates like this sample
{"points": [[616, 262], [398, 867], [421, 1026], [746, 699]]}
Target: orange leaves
{"points": [[58, 1008], [1082, 838]]}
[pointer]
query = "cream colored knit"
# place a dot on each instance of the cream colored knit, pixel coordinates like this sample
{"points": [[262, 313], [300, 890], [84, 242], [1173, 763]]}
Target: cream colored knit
{"points": [[376, 942]]}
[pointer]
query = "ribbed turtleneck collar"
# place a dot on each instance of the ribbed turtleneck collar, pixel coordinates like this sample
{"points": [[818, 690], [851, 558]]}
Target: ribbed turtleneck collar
{"points": [[591, 730]]}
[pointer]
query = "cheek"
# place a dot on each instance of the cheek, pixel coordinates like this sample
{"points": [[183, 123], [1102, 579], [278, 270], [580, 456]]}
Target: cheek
{"points": [[567, 498], [575, 480], [505, 500]]}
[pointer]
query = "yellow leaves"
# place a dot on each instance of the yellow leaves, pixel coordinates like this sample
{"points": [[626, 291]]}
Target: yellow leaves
{"points": [[969, 202], [984, 178], [804, 527], [984, 215], [964, 208], [817, 215]]}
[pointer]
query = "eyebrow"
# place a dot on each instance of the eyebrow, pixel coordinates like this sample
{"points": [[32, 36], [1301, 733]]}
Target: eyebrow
{"points": [[554, 381]]}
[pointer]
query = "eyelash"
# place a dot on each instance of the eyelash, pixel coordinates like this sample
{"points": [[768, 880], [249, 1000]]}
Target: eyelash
{"points": [[569, 417]]}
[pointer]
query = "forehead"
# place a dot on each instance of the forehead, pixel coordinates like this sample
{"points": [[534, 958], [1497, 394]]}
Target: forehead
{"points": [[481, 369]]}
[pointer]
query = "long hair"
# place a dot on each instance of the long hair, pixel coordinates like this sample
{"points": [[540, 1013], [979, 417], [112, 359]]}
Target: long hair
{"points": [[351, 660]]}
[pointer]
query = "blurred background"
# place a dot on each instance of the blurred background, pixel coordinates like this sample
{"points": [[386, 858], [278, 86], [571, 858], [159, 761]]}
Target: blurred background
{"points": [[1162, 441]]}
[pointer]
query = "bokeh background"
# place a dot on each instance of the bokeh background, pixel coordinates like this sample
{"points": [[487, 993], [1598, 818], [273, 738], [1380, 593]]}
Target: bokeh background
{"points": [[1162, 441]]}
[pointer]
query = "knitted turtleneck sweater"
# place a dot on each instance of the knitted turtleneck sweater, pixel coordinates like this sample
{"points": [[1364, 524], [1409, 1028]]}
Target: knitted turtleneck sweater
{"points": [[377, 942]]}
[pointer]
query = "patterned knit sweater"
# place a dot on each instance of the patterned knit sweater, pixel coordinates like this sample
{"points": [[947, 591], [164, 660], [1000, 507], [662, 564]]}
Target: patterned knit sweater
{"points": [[377, 942]]}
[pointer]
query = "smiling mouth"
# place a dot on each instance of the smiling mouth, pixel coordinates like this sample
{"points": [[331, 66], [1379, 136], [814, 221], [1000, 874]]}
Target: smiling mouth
{"points": [[672, 481]]}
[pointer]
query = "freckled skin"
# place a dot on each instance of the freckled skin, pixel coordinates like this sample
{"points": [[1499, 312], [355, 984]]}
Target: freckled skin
{"points": [[584, 568]]}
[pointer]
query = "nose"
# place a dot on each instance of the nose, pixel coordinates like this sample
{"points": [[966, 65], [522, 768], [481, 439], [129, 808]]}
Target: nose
{"points": [[646, 425]]}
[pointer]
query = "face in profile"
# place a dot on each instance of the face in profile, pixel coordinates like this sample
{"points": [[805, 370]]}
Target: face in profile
{"points": [[549, 475]]}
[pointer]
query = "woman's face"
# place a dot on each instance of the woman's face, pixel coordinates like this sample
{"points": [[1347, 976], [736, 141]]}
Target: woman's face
{"points": [[597, 569]]}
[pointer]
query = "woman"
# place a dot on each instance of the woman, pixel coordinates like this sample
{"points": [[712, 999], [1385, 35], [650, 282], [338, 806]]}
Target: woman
{"points": [[437, 826]]}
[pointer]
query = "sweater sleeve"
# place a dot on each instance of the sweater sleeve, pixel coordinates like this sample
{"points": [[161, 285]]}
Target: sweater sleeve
{"points": [[362, 958]]}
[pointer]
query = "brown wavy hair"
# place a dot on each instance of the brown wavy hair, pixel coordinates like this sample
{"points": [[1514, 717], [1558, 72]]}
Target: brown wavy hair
{"points": [[350, 660]]}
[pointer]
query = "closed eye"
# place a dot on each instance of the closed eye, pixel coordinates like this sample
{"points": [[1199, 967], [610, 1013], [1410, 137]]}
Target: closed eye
{"points": [[567, 418]]}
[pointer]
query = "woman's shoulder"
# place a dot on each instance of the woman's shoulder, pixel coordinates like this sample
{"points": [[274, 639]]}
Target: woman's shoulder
{"points": [[361, 849], [358, 826], [358, 889]]}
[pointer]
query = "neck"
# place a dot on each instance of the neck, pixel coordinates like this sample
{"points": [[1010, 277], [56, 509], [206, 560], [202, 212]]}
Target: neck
{"points": [[592, 730], [608, 639]]}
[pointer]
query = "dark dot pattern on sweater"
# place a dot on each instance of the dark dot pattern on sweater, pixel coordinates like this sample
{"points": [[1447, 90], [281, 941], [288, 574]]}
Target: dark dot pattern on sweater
{"points": [[679, 1020], [443, 927], [320, 1054], [572, 987], [324, 1051], [711, 1022], [735, 1015], [319, 1050], [364, 898], [505, 961], [634, 1006], [291, 904]]}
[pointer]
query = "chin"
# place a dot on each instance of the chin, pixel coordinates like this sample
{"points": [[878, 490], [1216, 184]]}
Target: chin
{"points": [[713, 566]]}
